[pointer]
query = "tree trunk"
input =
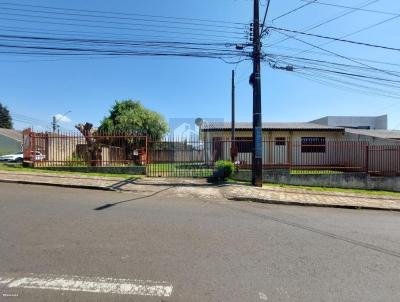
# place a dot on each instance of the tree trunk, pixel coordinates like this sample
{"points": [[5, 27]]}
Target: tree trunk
{"points": [[94, 148]]}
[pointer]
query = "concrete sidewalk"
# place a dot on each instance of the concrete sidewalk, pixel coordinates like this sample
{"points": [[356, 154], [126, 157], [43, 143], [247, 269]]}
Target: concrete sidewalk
{"points": [[199, 188]]}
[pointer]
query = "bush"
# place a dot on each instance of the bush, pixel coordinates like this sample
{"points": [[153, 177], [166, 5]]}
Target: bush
{"points": [[224, 168]]}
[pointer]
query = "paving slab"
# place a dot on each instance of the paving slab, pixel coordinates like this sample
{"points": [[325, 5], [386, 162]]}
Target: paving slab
{"points": [[303, 197]]}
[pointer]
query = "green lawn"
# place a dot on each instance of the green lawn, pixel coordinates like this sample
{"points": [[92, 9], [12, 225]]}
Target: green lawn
{"points": [[178, 170], [19, 168], [297, 171]]}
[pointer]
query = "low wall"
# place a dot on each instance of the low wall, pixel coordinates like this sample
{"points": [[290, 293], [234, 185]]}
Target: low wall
{"points": [[134, 170], [345, 180]]}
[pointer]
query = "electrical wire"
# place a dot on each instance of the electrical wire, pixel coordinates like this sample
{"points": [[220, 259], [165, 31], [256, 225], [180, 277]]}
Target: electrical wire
{"points": [[354, 8], [293, 10], [333, 38], [336, 54], [121, 13], [329, 20]]}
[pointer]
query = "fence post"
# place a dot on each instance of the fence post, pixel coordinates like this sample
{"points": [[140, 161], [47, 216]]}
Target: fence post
{"points": [[366, 165]]}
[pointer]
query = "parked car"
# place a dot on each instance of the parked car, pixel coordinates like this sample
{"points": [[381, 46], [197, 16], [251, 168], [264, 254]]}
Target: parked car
{"points": [[37, 156], [15, 157]]}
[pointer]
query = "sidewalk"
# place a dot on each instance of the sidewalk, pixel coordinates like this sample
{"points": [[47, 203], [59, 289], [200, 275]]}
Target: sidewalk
{"points": [[199, 188], [302, 197]]}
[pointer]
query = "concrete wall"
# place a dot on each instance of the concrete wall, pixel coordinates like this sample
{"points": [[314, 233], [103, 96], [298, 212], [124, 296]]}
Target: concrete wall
{"points": [[345, 180]]}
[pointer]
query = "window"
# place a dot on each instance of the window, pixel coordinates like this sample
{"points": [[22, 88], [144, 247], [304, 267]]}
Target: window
{"points": [[244, 144], [313, 145], [280, 141]]}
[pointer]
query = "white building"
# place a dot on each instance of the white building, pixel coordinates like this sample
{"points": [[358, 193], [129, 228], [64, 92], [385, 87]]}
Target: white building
{"points": [[354, 122]]}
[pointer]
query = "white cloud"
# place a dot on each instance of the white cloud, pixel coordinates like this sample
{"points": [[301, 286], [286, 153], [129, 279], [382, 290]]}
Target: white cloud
{"points": [[63, 119]]}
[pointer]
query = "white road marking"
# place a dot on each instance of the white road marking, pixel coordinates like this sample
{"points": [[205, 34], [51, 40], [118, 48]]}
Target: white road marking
{"points": [[263, 296], [90, 284], [5, 280]]}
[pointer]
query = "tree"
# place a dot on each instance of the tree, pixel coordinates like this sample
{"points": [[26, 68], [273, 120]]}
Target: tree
{"points": [[5, 118], [94, 145], [132, 116]]}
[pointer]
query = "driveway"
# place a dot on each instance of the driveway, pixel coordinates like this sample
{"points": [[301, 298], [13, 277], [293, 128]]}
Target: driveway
{"points": [[59, 244]]}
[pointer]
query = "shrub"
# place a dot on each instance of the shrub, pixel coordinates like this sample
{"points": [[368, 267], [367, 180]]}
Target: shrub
{"points": [[224, 168]]}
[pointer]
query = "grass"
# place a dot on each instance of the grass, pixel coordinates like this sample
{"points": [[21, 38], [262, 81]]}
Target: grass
{"points": [[323, 189], [20, 168], [179, 170], [296, 172]]}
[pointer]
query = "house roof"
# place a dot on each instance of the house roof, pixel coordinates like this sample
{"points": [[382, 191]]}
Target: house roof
{"points": [[219, 126], [385, 134], [11, 133]]}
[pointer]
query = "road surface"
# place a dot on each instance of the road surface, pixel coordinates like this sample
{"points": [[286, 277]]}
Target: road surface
{"points": [[61, 244]]}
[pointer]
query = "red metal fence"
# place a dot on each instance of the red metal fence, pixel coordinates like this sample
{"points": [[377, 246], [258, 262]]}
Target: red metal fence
{"points": [[324, 157], [73, 149], [197, 158]]}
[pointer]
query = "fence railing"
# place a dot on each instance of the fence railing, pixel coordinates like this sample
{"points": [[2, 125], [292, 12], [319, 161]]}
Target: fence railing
{"points": [[98, 149], [198, 158]]}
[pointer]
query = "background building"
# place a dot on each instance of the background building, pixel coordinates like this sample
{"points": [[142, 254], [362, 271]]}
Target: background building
{"points": [[354, 122]]}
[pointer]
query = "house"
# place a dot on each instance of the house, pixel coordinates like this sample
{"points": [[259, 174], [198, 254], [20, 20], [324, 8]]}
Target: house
{"points": [[10, 141], [283, 143], [354, 122]]}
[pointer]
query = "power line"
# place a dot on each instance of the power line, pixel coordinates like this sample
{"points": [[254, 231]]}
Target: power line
{"points": [[122, 28], [333, 38], [122, 13], [309, 60], [357, 76], [354, 8], [343, 85], [370, 84], [347, 74], [60, 32], [352, 33], [265, 15], [123, 23], [329, 20], [293, 10], [300, 51], [334, 53], [123, 18]]}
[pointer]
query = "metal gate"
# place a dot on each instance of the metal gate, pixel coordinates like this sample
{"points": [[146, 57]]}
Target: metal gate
{"points": [[179, 159]]}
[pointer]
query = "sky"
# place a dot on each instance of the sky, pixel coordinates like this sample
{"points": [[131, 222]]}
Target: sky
{"points": [[36, 89]]}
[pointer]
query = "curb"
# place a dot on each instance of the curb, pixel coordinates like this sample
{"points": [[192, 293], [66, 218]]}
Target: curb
{"points": [[310, 204], [27, 182]]}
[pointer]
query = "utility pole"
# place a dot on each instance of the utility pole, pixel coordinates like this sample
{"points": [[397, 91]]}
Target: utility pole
{"points": [[54, 124], [257, 118], [55, 120], [233, 107], [233, 126]]}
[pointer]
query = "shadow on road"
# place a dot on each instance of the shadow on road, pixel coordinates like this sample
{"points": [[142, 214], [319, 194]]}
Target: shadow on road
{"points": [[109, 205], [118, 185]]}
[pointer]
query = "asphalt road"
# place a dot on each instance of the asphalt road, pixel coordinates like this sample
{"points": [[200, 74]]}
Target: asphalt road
{"points": [[80, 245]]}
